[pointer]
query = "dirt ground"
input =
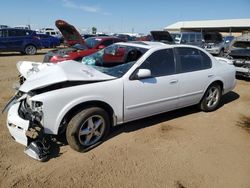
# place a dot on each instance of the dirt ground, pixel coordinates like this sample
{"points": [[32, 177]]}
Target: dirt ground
{"points": [[181, 149]]}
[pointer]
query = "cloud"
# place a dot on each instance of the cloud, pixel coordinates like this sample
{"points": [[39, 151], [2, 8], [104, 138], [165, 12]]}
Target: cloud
{"points": [[85, 8]]}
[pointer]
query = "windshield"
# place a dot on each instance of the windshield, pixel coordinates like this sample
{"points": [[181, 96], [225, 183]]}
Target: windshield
{"points": [[175, 35], [242, 44], [79, 47], [114, 60], [91, 42]]}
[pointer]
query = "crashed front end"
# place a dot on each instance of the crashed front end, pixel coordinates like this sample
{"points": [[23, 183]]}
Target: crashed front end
{"points": [[240, 55], [25, 124], [242, 67]]}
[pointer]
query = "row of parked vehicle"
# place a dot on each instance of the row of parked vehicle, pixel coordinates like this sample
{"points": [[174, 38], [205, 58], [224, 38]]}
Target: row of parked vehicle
{"points": [[25, 41]]}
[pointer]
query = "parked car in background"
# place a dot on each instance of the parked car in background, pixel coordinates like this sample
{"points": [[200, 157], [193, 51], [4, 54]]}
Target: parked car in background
{"points": [[86, 99], [78, 51], [214, 43], [48, 41], [19, 40], [191, 38], [125, 37], [239, 52], [85, 36], [227, 42], [22, 27], [3, 26]]}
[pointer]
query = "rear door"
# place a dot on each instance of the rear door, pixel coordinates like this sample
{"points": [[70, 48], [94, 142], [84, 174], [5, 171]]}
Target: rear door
{"points": [[195, 72], [159, 93], [3, 40], [16, 38]]}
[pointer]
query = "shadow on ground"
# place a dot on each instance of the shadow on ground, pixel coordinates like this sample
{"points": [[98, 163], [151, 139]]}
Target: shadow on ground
{"points": [[59, 141]]}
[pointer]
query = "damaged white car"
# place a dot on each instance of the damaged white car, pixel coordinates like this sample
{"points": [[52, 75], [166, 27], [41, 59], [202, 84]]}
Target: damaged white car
{"points": [[122, 83]]}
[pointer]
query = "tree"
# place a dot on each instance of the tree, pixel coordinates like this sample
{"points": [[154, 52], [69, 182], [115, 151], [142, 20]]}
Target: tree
{"points": [[94, 30]]}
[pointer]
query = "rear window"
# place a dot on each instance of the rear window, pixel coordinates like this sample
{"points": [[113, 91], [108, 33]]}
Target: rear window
{"points": [[192, 59], [18, 33]]}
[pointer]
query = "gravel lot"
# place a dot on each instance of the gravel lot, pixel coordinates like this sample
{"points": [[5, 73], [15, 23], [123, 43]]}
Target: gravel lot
{"points": [[185, 148]]}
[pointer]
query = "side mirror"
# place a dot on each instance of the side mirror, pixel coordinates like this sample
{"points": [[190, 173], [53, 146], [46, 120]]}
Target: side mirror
{"points": [[143, 73], [101, 47]]}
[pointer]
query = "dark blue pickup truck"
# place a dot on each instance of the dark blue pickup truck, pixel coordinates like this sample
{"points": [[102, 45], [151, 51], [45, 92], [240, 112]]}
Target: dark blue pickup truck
{"points": [[19, 40]]}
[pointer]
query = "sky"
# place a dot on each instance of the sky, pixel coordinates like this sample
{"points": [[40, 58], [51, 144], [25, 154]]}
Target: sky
{"points": [[118, 15]]}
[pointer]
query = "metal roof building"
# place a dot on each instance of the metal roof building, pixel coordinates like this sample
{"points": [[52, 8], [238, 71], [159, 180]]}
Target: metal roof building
{"points": [[232, 25]]}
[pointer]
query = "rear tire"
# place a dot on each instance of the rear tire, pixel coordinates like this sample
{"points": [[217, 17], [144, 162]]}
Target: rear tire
{"points": [[87, 128], [212, 98], [30, 50]]}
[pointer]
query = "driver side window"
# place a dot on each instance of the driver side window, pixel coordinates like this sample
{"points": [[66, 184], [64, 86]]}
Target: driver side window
{"points": [[160, 63]]}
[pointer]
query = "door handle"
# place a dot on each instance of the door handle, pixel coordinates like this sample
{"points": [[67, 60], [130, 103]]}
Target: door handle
{"points": [[210, 75], [173, 81]]}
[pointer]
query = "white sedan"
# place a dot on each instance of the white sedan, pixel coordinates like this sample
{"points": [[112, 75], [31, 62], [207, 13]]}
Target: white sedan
{"points": [[122, 83]]}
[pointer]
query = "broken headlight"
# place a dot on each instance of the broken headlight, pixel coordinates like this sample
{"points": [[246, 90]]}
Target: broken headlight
{"points": [[36, 110]]}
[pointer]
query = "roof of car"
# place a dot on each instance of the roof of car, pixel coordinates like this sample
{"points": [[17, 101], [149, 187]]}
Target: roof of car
{"points": [[144, 44], [103, 37]]}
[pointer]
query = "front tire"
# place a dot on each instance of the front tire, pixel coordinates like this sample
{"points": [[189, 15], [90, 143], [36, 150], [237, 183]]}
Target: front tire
{"points": [[30, 50], [221, 53], [87, 128], [212, 98]]}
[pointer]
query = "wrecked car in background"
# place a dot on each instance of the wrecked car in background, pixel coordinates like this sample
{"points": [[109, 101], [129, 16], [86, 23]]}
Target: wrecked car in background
{"points": [[78, 51], [122, 83], [78, 46], [162, 36], [214, 43], [69, 32], [240, 55]]}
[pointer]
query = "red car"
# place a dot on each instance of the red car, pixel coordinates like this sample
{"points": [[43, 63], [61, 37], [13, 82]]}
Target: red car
{"points": [[80, 48]]}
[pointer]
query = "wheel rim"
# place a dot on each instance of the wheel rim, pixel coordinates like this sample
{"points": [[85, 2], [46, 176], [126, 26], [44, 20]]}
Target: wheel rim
{"points": [[30, 50], [212, 97], [91, 130]]}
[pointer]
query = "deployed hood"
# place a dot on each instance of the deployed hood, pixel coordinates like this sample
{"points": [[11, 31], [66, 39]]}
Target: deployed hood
{"points": [[27, 68], [69, 32], [162, 36], [213, 37], [63, 72]]}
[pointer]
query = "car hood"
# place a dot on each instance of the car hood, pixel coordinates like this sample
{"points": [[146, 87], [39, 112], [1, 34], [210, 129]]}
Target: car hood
{"points": [[67, 71], [162, 36], [69, 32]]}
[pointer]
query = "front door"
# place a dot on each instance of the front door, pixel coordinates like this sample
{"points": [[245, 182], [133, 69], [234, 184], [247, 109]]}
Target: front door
{"points": [[159, 93]]}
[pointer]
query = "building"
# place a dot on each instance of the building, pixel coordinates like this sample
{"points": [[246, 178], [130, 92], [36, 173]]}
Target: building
{"points": [[231, 26]]}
